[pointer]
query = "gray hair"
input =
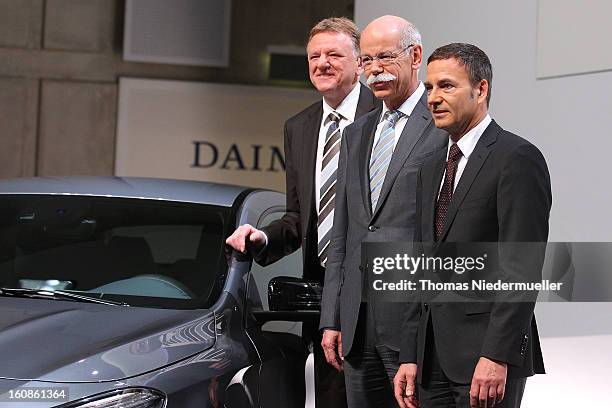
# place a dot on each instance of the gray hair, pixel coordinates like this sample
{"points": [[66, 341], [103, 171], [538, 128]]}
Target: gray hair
{"points": [[410, 35], [340, 25]]}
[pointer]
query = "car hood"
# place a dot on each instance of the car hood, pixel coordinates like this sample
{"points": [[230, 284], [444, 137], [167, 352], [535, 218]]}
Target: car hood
{"points": [[63, 341]]}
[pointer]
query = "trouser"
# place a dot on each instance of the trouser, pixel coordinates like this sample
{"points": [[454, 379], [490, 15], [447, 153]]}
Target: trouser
{"points": [[370, 367], [438, 391], [329, 382]]}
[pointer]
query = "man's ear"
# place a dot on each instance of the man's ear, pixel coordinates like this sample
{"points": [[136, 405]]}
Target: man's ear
{"points": [[417, 56], [482, 90], [359, 67]]}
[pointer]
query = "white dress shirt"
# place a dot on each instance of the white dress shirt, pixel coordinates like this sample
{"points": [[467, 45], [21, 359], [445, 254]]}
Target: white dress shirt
{"points": [[406, 108], [347, 110]]}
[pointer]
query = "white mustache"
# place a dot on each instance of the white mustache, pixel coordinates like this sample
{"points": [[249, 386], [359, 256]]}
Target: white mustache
{"points": [[382, 77]]}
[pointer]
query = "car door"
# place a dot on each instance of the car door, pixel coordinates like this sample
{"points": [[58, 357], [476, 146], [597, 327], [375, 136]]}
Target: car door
{"points": [[282, 350]]}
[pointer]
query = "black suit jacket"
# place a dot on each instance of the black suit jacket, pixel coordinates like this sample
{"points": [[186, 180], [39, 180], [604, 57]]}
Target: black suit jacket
{"points": [[356, 222], [503, 195], [298, 227]]}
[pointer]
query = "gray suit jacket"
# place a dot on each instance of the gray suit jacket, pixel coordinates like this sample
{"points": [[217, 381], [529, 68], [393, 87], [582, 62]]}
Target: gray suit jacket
{"points": [[355, 222]]}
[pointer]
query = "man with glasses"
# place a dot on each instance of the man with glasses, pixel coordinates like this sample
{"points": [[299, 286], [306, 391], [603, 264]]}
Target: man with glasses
{"points": [[312, 145], [375, 202]]}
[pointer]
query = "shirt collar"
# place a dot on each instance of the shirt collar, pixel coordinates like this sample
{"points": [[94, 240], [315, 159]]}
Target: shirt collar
{"points": [[347, 107], [409, 104], [467, 143]]}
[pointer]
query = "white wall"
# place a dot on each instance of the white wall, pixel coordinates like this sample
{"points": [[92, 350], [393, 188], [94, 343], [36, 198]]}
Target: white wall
{"points": [[160, 121], [589, 21], [569, 118]]}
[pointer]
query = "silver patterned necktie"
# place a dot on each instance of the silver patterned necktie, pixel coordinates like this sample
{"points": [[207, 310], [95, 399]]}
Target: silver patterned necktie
{"points": [[381, 155], [327, 191]]}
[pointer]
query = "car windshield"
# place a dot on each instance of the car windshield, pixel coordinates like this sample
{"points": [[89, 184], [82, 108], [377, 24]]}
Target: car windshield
{"points": [[141, 252]]}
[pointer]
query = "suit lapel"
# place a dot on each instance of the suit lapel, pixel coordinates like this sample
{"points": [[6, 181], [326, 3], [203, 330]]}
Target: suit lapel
{"points": [[365, 150], [367, 102], [308, 153], [412, 133], [472, 168]]}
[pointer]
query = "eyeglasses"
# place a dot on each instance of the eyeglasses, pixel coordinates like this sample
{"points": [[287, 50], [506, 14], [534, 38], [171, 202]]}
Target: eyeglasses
{"points": [[384, 58]]}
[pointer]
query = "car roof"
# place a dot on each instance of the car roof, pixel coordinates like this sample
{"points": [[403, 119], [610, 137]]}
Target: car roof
{"points": [[128, 187]]}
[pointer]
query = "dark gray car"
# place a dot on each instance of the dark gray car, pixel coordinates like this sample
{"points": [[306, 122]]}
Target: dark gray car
{"points": [[119, 292]]}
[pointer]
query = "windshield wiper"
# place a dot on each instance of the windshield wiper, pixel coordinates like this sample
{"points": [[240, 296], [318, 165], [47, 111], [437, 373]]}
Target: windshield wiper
{"points": [[56, 294]]}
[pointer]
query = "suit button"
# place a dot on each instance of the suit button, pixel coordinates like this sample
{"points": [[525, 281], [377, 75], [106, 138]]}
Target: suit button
{"points": [[372, 228], [425, 305]]}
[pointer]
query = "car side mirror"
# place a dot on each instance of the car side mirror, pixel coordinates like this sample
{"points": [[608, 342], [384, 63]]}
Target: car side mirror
{"points": [[292, 299], [290, 293]]}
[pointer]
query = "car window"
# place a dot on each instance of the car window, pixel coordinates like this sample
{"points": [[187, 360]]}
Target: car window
{"points": [[168, 243], [146, 252]]}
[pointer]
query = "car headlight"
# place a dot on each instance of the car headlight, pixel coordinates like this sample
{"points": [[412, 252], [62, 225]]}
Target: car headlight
{"points": [[126, 398]]}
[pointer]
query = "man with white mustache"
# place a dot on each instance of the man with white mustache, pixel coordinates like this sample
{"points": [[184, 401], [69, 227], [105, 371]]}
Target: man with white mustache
{"points": [[382, 77], [381, 153]]}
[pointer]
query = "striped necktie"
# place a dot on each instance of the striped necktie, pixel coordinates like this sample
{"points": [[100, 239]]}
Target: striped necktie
{"points": [[328, 177], [381, 155]]}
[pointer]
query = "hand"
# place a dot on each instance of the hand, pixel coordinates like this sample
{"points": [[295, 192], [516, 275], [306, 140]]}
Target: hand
{"points": [[488, 383], [246, 236], [332, 347], [404, 386]]}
